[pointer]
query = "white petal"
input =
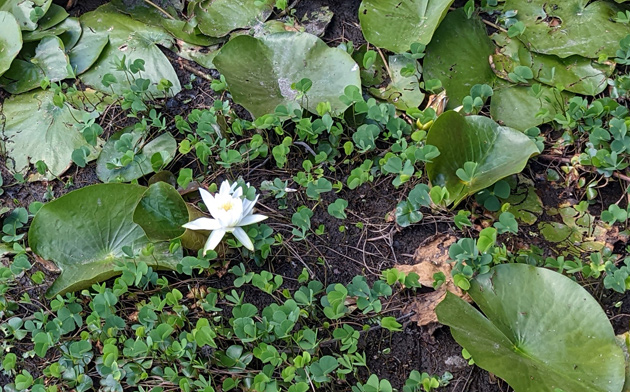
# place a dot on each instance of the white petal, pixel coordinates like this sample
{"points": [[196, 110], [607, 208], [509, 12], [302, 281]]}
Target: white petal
{"points": [[248, 205], [243, 237], [238, 193], [203, 224], [225, 188], [250, 219], [207, 197], [215, 237]]}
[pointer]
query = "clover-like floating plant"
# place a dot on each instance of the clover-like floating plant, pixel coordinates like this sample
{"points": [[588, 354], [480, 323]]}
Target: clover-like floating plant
{"points": [[230, 211]]}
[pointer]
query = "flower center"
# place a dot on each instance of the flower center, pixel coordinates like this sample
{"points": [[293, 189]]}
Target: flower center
{"points": [[227, 206]]}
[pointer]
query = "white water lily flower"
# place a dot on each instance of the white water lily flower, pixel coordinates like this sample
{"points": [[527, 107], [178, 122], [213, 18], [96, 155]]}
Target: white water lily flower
{"points": [[230, 211]]}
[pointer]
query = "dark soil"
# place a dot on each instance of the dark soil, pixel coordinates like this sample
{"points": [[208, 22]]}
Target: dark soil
{"points": [[378, 245]]}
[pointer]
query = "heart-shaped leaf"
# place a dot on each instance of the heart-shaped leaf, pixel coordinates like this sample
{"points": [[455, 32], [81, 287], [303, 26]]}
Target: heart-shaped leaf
{"points": [[36, 129], [85, 232], [133, 40], [218, 18], [570, 27], [541, 331], [458, 56], [575, 73], [10, 40], [396, 24], [497, 152], [260, 71]]}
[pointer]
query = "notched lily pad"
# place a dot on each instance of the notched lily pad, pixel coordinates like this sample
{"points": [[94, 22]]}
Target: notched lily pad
{"points": [[541, 331], [570, 27], [403, 90], [496, 150], [217, 18], [36, 129], [396, 24], [260, 71], [574, 73], [111, 167], [87, 231]]}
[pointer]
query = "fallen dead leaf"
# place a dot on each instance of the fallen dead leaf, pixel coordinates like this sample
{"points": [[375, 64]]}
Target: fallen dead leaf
{"points": [[431, 257], [46, 264]]}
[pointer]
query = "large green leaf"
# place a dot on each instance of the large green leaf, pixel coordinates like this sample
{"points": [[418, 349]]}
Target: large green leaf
{"points": [[10, 40], [570, 27], [84, 233], [575, 73], [49, 62], [27, 12], [403, 91], [36, 129], [260, 71], [87, 50], [161, 212], [515, 107], [47, 25], [458, 56], [541, 331], [218, 18], [396, 24], [498, 152], [134, 40], [141, 164]]}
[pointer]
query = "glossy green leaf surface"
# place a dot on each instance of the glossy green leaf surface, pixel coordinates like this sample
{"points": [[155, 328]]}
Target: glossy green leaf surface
{"points": [[541, 331], [161, 212], [403, 91], [27, 12], [575, 73], [458, 56], [134, 40], [10, 40], [260, 71], [570, 27], [36, 129], [396, 24], [218, 18], [87, 50], [84, 233], [49, 62], [498, 152], [141, 164], [515, 107]]}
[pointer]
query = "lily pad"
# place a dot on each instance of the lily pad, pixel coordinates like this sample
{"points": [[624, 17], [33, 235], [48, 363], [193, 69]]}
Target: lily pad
{"points": [[87, 50], [458, 56], [27, 12], [570, 27], [574, 73], [217, 18], [141, 164], [161, 212], [49, 24], [525, 204], [10, 40], [133, 40], [403, 91], [496, 150], [36, 129], [541, 331], [72, 34], [376, 74], [85, 232], [49, 62], [259, 71], [396, 24], [515, 107]]}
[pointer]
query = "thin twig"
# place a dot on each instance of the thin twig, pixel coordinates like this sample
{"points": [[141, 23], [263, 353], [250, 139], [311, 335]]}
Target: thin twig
{"points": [[389, 71], [160, 9], [196, 71]]}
